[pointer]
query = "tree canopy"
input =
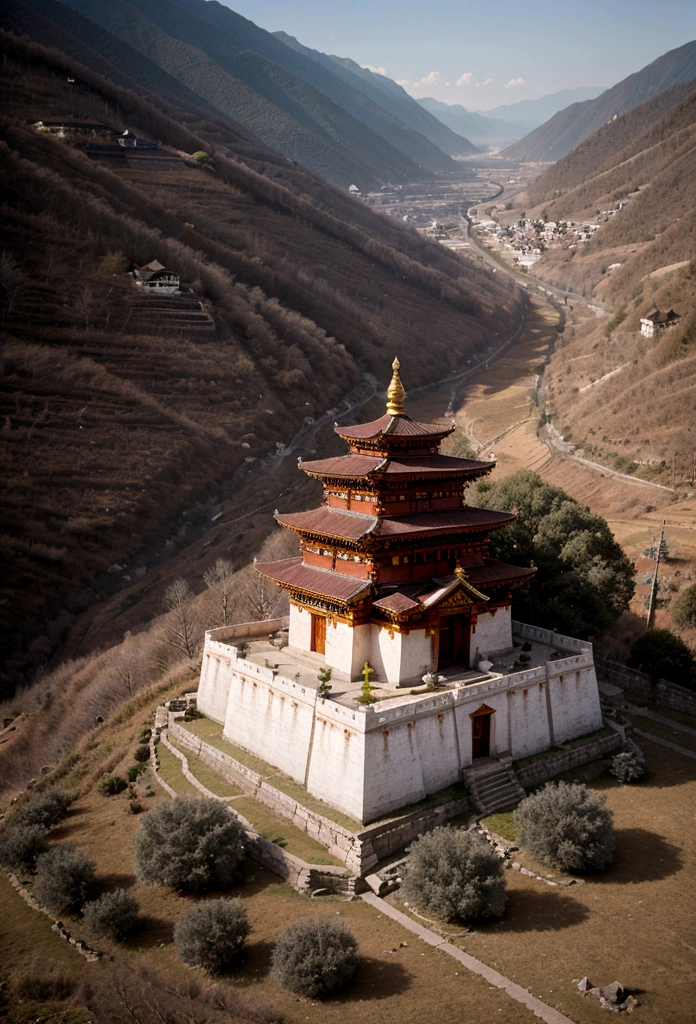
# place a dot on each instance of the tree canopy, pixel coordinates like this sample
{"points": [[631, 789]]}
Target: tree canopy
{"points": [[584, 581], [662, 655]]}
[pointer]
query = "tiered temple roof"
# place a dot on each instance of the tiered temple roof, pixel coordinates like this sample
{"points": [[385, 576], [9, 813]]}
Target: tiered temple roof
{"points": [[394, 535]]}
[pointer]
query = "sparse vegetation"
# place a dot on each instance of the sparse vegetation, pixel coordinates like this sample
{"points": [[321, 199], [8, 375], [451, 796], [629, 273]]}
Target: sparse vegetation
{"points": [[112, 785], [567, 826], [46, 809], [455, 874], [315, 957], [684, 610], [114, 915], [190, 843], [212, 935], [64, 879], [627, 767], [21, 846]]}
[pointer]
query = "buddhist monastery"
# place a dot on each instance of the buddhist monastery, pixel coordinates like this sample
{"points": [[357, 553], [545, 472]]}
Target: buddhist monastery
{"points": [[400, 665]]}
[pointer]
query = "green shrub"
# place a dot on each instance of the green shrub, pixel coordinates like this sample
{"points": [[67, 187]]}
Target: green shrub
{"points": [[662, 655], [684, 611], [46, 809], [20, 847], [114, 915], [202, 157], [145, 734], [190, 843], [315, 957], [627, 767], [567, 826], [134, 771], [64, 879], [455, 874], [142, 753], [212, 934], [112, 785]]}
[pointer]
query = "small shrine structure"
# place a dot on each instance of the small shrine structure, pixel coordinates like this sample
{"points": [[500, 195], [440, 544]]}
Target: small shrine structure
{"points": [[397, 601]]}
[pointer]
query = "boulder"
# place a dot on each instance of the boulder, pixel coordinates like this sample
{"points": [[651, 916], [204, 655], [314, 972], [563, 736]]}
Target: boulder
{"points": [[584, 985], [614, 993]]}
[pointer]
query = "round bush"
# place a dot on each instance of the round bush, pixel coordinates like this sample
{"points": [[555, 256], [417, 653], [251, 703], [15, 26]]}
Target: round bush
{"points": [[114, 915], [627, 767], [142, 753], [662, 655], [46, 809], [21, 846], [684, 610], [64, 879], [212, 934], [190, 843], [455, 874], [566, 826], [315, 957], [134, 771], [112, 785]]}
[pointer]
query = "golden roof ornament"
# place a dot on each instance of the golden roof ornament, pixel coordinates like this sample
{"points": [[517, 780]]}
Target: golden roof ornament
{"points": [[396, 393]]}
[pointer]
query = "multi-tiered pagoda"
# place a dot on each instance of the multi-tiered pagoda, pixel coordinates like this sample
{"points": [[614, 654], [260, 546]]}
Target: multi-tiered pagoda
{"points": [[394, 583], [395, 568]]}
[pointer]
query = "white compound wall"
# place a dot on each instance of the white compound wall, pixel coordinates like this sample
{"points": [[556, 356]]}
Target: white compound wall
{"points": [[370, 761]]}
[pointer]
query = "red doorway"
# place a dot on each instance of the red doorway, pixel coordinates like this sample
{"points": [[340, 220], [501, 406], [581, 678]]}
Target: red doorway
{"points": [[455, 634], [318, 638], [481, 732]]}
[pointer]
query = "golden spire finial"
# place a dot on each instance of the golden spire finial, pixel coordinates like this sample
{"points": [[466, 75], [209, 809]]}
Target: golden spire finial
{"points": [[396, 393]]}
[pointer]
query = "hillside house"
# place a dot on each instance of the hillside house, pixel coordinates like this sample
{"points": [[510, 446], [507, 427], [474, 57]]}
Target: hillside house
{"points": [[656, 320], [154, 277]]}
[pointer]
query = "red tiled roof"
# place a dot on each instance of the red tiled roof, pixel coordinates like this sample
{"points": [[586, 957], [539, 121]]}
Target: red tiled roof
{"points": [[353, 526], [494, 573], [358, 466], [290, 572], [396, 602], [392, 426]]}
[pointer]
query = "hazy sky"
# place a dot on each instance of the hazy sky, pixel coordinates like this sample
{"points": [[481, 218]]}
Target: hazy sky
{"points": [[481, 54]]}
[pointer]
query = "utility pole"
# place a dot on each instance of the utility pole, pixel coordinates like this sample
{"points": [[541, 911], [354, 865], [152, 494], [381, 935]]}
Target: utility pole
{"points": [[653, 590]]}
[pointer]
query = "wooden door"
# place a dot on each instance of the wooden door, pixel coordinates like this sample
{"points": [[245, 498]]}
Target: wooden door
{"points": [[455, 632], [481, 735], [318, 641]]}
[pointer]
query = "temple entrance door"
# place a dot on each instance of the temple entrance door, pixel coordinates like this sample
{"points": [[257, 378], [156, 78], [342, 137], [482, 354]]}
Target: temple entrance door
{"points": [[455, 633], [318, 639], [481, 735]]}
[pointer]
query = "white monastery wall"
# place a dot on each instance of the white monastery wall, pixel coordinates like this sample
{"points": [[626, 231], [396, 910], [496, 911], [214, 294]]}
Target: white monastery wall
{"points": [[492, 632], [339, 646], [300, 627], [271, 718], [574, 698], [367, 762]]}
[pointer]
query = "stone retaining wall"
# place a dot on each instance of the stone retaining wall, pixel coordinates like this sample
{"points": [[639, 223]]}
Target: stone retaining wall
{"points": [[360, 851], [660, 691], [549, 767], [301, 876]]}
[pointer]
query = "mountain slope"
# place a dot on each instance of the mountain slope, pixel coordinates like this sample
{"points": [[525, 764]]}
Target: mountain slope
{"points": [[482, 130], [567, 128], [389, 95], [117, 419], [529, 114]]}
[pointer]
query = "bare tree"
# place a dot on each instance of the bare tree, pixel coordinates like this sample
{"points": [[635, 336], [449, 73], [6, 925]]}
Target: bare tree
{"points": [[128, 669], [262, 595], [219, 579], [12, 280], [181, 625]]}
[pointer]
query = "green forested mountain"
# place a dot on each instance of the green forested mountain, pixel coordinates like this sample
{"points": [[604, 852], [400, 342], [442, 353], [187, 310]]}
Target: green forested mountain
{"points": [[118, 415], [291, 103], [570, 126]]}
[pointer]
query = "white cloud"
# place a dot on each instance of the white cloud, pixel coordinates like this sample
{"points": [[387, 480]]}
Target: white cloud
{"points": [[403, 82], [515, 83], [376, 71], [429, 79], [467, 78], [488, 81]]}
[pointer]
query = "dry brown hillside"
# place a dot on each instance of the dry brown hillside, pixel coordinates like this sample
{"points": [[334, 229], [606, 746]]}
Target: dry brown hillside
{"points": [[118, 415]]}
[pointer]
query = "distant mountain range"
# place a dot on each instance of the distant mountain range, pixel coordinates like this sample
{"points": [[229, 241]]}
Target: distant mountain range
{"points": [[309, 107], [505, 124], [570, 126]]}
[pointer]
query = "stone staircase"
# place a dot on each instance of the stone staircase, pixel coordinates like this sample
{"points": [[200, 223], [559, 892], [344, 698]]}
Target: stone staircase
{"points": [[493, 785]]}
